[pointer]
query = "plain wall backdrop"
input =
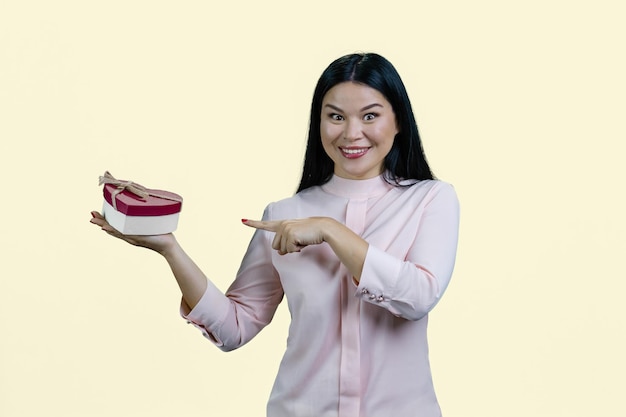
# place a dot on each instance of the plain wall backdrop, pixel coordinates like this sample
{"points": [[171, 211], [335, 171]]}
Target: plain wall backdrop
{"points": [[520, 104]]}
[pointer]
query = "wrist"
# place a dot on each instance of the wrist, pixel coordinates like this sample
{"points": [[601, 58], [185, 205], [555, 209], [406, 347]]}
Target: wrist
{"points": [[169, 248], [330, 229]]}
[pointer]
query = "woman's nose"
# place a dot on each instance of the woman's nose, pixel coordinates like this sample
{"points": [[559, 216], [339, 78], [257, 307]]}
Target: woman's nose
{"points": [[353, 131]]}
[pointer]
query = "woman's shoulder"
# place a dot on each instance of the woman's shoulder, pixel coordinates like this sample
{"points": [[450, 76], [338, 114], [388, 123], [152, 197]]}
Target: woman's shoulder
{"points": [[417, 186], [289, 206], [426, 191]]}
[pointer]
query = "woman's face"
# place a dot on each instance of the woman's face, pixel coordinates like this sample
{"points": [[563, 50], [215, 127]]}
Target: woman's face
{"points": [[358, 127]]}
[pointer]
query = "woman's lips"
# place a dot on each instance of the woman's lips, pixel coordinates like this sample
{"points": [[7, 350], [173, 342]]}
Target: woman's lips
{"points": [[353, 153]]}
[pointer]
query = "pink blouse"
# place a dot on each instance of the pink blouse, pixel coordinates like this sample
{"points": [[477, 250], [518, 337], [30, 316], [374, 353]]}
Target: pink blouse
{"points": [[352, 350]]}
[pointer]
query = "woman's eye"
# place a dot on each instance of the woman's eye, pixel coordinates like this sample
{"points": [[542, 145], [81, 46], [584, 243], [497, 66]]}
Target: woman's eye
{"points": [[370, 116], [336, 116]]}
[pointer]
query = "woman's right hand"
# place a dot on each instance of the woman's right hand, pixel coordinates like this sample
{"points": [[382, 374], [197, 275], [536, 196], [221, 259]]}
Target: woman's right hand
{"points": [[158, 243]]}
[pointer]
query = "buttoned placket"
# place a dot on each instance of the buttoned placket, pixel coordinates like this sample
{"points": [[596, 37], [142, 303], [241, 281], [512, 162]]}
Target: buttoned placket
{"points": [[350, 369]]}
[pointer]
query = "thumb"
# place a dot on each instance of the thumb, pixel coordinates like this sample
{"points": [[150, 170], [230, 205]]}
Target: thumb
{"points": [[270, 225]]}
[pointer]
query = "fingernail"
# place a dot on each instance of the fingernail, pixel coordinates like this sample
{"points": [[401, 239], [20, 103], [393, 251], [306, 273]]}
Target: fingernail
{"points": [[93, 214], [244, 220]]}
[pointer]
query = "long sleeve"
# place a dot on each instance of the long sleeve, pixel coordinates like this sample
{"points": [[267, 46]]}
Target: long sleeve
{"points": [[230, 320], [411, 287]]}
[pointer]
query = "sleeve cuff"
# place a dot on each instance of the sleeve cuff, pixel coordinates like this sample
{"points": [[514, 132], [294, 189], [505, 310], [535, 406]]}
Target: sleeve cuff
{"points": [[211, 308], [379, 277]]}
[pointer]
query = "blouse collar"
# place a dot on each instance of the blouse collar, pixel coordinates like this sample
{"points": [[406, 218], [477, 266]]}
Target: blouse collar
{"points": [[344, 187]]}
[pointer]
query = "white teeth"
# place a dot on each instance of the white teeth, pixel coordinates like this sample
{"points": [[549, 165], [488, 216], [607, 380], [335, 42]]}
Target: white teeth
{"points": [[353, 151]]}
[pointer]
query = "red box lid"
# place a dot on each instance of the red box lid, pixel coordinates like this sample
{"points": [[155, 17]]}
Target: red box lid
{"points": [[132, 205]]}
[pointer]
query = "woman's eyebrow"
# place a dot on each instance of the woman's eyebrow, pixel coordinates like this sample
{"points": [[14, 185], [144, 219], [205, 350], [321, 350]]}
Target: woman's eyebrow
{"points": [[333, 107], [369, 106]]}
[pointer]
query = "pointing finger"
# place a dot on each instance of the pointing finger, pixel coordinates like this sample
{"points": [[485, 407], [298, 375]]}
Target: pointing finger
{"points": [[270, 225]]}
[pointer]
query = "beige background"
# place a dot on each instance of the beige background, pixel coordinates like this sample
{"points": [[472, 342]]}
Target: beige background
{"points": [[520, 104]]}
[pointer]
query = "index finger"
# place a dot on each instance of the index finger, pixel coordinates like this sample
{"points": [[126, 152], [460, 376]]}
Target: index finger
{"points": [[269, 225]]}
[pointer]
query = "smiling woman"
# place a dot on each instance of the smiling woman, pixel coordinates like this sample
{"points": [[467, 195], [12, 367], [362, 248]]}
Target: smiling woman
{"points": [[362, 252], [405, 159]]}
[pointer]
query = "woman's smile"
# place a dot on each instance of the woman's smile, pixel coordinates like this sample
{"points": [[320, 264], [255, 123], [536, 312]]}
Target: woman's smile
{"points": [[353, 153]]}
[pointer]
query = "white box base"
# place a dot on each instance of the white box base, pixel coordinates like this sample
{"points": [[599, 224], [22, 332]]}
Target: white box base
{"points": [[139, 225]]}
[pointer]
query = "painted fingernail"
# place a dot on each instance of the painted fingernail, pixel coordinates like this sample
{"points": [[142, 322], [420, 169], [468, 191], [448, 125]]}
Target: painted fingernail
{"points": [[93, 214], [244, 220]]}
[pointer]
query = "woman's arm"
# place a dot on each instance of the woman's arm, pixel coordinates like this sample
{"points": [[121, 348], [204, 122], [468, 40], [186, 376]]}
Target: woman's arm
{"points": [[410, 285], [229, 320], [191, 280]]}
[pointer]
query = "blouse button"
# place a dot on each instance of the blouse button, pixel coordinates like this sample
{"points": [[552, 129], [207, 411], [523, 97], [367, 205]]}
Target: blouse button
{"points": [[372, 296], [364, 291], [380, 298]]}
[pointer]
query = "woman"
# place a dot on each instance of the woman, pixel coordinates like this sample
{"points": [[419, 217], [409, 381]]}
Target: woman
{"points": [[362, 252]]}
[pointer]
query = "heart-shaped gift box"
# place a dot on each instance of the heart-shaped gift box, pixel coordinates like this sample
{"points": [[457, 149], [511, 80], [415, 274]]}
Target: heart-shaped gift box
{"points": [[133, 209]]}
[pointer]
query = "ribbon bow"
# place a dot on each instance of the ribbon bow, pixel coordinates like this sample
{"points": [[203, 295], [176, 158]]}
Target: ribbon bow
{"points": [[137, 189]]}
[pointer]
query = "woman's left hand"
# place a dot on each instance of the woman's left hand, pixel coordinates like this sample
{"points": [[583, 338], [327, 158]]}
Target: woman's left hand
{"points": [[293, 235]]}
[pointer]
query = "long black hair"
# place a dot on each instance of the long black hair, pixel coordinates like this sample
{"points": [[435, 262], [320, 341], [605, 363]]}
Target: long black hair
{"points": [[406, 159]]}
